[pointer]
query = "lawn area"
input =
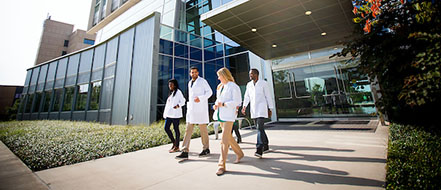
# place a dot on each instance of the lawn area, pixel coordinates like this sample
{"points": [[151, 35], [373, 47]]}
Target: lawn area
{"points": [[414, 158], [48, 144]]}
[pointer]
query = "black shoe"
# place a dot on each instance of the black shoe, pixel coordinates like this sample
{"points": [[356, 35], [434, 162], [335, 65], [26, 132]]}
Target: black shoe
{"points": [[266, 150], [183, 155], [258, 154], [239, 141], [205, 152]]}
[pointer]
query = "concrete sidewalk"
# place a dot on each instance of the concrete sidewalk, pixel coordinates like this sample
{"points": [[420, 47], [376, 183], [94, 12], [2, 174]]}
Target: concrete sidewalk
{"points": [[299, 159]]}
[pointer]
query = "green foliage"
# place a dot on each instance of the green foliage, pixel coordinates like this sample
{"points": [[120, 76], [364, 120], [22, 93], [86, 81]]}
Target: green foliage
{"points": [[413, 160], [47, 144], [11, 112], [402, 51]]}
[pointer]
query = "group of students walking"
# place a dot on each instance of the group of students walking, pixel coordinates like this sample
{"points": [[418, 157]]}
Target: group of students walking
{"points": [[228, 101]]}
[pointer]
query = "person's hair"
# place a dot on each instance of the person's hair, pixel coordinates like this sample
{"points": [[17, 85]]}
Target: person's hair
{"points": [[176, 84], [255, 71], [224, 72], [193, 67]]}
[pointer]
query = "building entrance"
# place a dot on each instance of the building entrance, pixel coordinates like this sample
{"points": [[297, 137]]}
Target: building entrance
{"points": [[322, 90]]}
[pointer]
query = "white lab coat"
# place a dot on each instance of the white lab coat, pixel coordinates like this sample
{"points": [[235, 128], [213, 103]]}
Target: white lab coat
{"points": [[172, 101], [259, 97], [197, 113], [231, 97]]}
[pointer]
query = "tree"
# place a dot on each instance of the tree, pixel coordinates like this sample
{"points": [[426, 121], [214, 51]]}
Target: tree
{"points": [[397, 42]]}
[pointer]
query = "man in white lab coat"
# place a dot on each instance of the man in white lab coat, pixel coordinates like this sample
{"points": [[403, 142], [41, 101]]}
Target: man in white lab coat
{"points": [[197, 112], [259, 97]]}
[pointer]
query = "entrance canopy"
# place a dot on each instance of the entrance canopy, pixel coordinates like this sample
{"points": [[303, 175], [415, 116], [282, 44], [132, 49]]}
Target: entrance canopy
{"points": [[276, 28]]}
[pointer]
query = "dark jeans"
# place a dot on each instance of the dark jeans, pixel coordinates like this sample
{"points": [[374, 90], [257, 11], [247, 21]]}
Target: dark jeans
{"points": [[168, 122], [236, 130], [262, 139]]}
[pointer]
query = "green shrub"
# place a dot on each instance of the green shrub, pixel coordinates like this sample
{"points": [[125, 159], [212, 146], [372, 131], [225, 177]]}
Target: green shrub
{"points": [[414, 158], [47, 144]]}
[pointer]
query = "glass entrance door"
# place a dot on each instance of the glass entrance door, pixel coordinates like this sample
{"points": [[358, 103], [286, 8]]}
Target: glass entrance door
{"points": [[324, 90]]}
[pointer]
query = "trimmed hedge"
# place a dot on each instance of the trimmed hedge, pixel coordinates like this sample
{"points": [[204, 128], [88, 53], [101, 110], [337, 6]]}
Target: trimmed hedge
{"points": [[414, 158], [48, 144]]}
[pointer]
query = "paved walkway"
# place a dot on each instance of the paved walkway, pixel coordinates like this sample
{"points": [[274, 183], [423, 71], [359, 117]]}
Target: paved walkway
{"points": [[300, 159]]}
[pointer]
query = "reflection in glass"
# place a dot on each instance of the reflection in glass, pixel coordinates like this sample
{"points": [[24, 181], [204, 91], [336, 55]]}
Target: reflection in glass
{"points": [[68, 99], [47, 100], [181, 74], [58, 95], [29, 103], [81, 97], [165, 47], [106, 101], [164, 74], [95, 96]]}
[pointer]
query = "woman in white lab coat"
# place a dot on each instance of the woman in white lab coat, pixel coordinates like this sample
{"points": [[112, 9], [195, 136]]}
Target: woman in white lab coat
{"points": [[228, 99], [173, 113]]}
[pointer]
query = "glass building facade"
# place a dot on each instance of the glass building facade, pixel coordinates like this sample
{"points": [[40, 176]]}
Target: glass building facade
{"points": [[307, 86], [123, 79]]}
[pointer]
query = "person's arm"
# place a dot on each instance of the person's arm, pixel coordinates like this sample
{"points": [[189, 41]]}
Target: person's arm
{"points": [[246, 100], [181, 99], [268, 99], [268, 96], [207, 91]]}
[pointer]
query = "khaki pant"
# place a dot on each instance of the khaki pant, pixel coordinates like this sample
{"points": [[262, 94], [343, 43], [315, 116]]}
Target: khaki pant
{"points": [[189, 132], [226, 142]]}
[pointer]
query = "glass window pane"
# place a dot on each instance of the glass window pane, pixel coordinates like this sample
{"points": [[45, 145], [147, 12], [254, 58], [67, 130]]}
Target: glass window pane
{"points": [[106, 101], [36, 107], [47, 100], [95, 96], [82, 90], [195, 54], [219, 51], [112, 49], [86, 61], [68, 99], [195, 40], [239, 67], [211, 67], [181, 50], [42, 78], [72, 69], [209, 53], [165, 47], [61, 73], [165, 74], [181, 36], [51, 75], [30, 99], [181, 74], [58, 95], [98, 60]]}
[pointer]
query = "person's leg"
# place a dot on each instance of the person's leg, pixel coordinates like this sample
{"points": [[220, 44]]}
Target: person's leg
{"points": [[177, 132], [236, 148], [187, 137], [204, 136], [262, 139], [168, 122], [225, 143], [236, 130]]}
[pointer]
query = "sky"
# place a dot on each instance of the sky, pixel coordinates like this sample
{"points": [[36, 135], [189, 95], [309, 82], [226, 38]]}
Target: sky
{"points": [[21, 27]]}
